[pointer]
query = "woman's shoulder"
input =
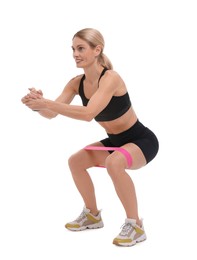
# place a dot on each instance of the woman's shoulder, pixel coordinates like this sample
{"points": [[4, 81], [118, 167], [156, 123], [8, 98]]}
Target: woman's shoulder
{"points": [[112, 76], [73, 83], [76, 79], [114, 81], [111, 72]]}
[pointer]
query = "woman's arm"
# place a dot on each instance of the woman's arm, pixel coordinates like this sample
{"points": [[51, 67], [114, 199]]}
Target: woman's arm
{"points": [[107, 87], [66, 96]]}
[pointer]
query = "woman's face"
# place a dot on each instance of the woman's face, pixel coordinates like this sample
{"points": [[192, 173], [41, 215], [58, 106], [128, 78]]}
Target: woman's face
{"points": [[83, 54]]}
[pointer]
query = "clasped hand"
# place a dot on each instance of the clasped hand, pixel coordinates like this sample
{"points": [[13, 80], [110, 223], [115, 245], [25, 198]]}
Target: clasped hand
{"points": [[34, 99]]}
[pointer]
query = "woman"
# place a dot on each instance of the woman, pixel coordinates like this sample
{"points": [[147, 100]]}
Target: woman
{"points": [[105, 99]]}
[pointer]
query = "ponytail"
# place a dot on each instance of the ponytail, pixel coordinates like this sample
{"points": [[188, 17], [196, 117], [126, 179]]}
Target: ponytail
{"points": [[105, 62]]}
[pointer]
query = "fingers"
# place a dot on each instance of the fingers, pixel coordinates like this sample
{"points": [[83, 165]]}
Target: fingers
{"points": [[33, 90], [29, 102], [35, 93], [40, 92], [32, 95], [28, 97], [25, 99]]}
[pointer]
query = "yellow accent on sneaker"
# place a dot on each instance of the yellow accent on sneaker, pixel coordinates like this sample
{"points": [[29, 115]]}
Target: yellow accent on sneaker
{"points": [[118, 241], [92, 218], [139, 230], [69, 225]]}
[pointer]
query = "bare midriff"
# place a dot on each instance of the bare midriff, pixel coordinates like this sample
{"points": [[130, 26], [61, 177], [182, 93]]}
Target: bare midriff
{"points": [[120, 124]]}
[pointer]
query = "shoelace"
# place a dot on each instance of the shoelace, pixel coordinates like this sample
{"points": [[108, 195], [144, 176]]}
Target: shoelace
{"points": [[126, 227], [82, 215]]}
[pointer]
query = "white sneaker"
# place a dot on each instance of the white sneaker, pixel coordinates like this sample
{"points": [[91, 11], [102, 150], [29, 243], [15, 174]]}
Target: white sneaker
{"points": [[130, 234], [85, 220]]}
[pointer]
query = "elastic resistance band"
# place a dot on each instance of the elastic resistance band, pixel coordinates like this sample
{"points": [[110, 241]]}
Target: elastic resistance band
{"points": [[119, 149]]}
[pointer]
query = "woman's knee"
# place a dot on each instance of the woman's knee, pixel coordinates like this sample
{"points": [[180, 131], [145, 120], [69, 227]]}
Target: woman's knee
{"points": [[114, 165], [72, 160], [80, 160]]}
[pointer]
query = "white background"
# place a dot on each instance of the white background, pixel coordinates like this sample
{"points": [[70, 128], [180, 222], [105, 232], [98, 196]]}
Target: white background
{"points": [[152, 45]]}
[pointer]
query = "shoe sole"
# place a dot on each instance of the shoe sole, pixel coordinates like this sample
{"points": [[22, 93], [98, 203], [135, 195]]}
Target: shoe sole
{"points": [[139, 240], [93, 226]]}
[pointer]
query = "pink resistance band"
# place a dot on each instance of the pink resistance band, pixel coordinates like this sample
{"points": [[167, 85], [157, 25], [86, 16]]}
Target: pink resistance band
{"points": [[119, 149]]}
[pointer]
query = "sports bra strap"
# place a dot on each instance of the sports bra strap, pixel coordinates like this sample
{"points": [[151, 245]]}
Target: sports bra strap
{"points": [[102, 73]]}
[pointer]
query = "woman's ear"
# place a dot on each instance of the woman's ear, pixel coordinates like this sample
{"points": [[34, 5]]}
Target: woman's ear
{"points": [[98, 50]]}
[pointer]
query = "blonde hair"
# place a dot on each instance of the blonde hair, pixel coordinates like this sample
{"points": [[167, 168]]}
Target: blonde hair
{"points": [[93, 37]]}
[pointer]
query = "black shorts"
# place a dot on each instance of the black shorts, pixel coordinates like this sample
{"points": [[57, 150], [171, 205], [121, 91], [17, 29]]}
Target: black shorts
{"points": [[138, 134]]}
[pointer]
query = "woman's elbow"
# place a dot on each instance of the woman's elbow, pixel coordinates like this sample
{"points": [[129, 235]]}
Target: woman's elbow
{"points": [[88, 117], [48, 115]]}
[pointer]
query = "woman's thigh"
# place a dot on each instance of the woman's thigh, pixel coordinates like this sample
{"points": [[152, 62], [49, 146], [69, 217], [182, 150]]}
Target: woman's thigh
{"points": [[84, 159], [137, 156], [88, 158]]}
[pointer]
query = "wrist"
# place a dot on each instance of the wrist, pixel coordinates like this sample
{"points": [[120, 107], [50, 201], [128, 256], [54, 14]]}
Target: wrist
{"points": [[47, 103]]}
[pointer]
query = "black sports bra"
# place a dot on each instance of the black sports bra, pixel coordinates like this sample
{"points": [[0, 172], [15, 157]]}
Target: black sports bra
{"points": [[117, 106]]}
